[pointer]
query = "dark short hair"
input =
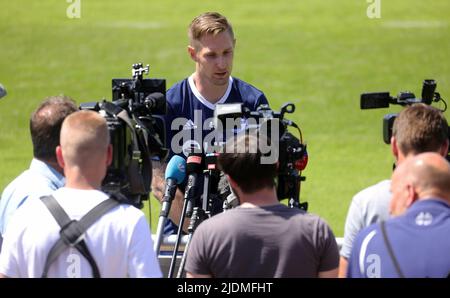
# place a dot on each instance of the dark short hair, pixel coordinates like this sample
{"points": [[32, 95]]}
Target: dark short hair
{"points": [[246, 168], [420, 128], [45, 125]]}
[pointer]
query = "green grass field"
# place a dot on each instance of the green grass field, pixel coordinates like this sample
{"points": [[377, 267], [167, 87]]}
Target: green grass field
{"points": [[318, 54]]}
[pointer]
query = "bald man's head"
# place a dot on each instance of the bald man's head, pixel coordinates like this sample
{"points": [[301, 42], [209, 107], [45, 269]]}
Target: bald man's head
{"points": [[84, 139], [424, 176]]}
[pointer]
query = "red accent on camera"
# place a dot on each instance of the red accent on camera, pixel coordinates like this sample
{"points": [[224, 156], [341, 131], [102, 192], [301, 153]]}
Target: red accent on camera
{"points": [[301, 163]]}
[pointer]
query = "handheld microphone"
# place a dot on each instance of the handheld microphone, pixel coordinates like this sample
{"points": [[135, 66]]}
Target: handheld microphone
{"points": [[175, 174], [194, 168], [211, 181], [156, 102]]}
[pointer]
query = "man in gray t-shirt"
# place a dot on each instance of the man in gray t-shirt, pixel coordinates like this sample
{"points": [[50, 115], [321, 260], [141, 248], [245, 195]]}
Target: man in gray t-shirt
{"points": [[261, 237]]}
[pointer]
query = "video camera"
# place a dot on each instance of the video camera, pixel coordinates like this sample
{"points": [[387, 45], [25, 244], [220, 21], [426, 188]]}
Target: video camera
{"points": [[377, 100], [136, 126], [292, 154]]}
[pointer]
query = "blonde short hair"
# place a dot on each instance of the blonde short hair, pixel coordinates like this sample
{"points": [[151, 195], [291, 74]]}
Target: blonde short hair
{"points": [[208, 23]]}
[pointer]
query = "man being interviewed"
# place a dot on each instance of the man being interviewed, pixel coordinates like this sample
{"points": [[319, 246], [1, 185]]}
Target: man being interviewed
{"points": [[191, 102]]}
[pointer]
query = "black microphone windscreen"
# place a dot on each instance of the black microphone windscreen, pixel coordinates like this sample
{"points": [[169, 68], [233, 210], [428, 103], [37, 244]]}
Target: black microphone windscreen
{"points": [[157, 102], [194, 163]]}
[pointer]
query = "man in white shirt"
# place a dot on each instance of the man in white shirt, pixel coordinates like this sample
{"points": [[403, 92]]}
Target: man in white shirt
{"points": [[119, 241], [44, 175]]}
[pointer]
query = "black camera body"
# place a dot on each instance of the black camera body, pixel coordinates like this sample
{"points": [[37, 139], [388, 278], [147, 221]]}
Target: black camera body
{"points": [[377, 100], [292, 153], [137, 132]]}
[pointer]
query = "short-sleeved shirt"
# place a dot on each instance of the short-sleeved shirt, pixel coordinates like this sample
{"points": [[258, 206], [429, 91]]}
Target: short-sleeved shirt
{"points": [[420, 242], [40, 179], [369, 206], [120, 241], [195, 113], [270, 241]]}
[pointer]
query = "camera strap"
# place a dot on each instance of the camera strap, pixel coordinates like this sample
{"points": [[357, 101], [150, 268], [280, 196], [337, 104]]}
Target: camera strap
{"points": [[72, 231], [390, 250], [136, 180]]}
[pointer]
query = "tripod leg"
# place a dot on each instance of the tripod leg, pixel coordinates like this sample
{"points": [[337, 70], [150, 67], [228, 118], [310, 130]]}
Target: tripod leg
{"points": [[177, 243], [198, 216], [183, 259], [159, 234]]}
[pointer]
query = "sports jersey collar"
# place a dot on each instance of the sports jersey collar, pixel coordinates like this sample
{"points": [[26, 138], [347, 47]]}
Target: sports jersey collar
{"points": [[428, 203], [203, 100]]}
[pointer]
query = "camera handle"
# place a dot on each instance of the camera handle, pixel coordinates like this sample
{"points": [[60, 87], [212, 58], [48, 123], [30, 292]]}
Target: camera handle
{"points": [[138, 70]]}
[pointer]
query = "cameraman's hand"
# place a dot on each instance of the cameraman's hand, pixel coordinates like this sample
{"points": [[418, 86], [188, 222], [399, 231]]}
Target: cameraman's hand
{"points": [[158, 182], [158, 186]]}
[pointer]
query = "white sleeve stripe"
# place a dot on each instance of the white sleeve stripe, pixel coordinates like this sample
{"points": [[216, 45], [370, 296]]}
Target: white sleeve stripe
{"points": [[362, 252]]}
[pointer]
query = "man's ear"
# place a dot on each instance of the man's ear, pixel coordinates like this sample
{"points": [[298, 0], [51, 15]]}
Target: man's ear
{"points": [[192, 53], [412, 195], [109, 155], [394, 147], [444, 148], [59, 157]]}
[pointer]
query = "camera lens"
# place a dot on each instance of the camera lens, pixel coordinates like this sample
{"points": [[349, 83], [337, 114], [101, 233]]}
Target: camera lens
{"points": [[428, 91]]}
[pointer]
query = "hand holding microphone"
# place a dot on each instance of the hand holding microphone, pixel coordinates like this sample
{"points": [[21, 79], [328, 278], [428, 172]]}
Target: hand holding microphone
{"points": [[175, 174]]}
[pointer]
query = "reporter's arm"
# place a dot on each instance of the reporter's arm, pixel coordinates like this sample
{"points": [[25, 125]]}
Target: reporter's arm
{"points": [[353, 224], [343, 265]]}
